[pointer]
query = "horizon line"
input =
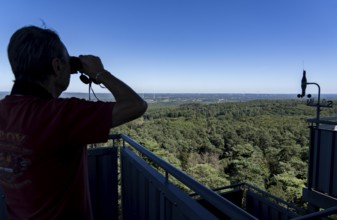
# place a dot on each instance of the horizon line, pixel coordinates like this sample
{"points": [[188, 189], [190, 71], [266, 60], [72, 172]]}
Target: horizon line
{"points": [[253, 93]]}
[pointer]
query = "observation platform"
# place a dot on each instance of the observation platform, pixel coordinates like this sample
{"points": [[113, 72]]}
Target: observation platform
{"points": [[127, 181]]}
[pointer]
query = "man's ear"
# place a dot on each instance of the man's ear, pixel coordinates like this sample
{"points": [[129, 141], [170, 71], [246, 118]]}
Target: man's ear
{"points": [[57, 65]]}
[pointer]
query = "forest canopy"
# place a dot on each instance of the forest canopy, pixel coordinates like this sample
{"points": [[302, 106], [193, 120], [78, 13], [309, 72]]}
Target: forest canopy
{"points": [[262, 142]]}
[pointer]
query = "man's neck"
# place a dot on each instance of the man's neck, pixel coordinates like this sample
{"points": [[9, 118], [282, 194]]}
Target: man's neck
{"points": [[30, 88]]}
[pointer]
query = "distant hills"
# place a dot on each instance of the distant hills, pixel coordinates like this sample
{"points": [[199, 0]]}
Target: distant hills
{"points": [[191, 97]]}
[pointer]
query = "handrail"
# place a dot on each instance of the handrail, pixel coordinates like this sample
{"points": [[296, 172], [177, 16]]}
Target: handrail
{"points": [[244, 184], [315, 215], [215, 199], [326, 120]]}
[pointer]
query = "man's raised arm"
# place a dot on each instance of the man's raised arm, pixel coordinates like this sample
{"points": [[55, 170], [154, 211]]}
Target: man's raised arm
{"points": [[129, 105]]}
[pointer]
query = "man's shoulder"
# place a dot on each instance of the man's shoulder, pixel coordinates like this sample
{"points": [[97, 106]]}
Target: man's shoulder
{"points": [[48, 105], [75, 100], [78, 104]]}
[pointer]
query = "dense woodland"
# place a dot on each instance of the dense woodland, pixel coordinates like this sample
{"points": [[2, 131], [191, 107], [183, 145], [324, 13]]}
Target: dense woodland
{"points": [[262, 142]]}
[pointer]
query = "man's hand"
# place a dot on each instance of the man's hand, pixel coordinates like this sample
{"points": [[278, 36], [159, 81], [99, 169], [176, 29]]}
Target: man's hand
{"points": [[91, 65]]}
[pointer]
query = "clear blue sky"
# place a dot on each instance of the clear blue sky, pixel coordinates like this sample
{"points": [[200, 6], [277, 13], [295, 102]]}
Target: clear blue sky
{"points": [[196, 46]]}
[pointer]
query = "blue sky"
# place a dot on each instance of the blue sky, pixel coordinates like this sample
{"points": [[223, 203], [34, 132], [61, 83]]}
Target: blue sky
{"points": [[192, 46]]}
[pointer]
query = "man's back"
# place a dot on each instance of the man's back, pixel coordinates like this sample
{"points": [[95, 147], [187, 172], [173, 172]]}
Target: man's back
{"points": [[43, 154]]}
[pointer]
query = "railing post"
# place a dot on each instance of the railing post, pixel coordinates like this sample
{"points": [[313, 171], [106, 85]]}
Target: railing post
{"points": [[103, 180]]}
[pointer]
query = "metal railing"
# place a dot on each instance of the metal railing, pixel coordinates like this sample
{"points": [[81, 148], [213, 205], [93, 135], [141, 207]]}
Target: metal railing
{"points": [[103, 181], [167, 191], [318, 215], [260, 203], [148, 193], [262, 208]]}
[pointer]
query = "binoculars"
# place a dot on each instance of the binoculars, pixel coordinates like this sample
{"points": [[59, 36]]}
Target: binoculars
{"points": [[76, 66]]}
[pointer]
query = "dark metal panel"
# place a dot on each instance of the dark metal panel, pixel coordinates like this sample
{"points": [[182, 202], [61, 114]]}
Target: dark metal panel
{"points": [[168, 208], [262, 208], [319, 215], [154, 198], [161, 206], [311, 158], [324, 161], [133, 194], [274, 214], [177, 215], [103, 182], [124, 185], [322, 173], [235, 196], [143, 198], [169, 195], [126, 182], [318, 199], [333, 184], [314, 152], [92, 182], [134, 191], [265, 208], [107, 187], [250, 204]]}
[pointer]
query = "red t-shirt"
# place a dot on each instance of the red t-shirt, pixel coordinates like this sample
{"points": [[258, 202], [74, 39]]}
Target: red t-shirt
{"points": [[43, 156]]}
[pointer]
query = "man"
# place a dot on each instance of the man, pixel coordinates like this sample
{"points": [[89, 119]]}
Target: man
{"points": [[43, 138]]}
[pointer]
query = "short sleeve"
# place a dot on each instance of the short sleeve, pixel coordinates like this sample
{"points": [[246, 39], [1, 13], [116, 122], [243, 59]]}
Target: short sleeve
{"points": [[86, 122]]}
